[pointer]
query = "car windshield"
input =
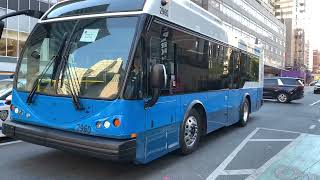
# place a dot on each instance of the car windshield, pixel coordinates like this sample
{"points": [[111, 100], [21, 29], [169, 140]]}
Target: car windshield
{"points": [[96, 52]]}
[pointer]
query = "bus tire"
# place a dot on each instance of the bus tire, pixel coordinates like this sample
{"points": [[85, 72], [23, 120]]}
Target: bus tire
{"points": [[244, 113], [190, 132]]}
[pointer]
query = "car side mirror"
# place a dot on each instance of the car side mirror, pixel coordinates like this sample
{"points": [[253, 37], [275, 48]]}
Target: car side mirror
{"points": [[8, 100], [1, 28], [158, 79]]}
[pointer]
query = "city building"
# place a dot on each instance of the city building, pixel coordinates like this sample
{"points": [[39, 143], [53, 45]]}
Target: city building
{"points": [[253, 20], [17, 29], [294, 14], [316, 62]]}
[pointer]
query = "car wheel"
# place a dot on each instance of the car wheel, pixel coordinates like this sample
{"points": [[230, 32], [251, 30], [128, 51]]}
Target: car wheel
{"points": [[4, 115], [283, 98], [244, 113], [190, 132]]}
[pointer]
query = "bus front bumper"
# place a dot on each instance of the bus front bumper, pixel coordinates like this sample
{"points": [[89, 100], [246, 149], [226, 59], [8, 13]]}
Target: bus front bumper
{"points": [[105, 148]]}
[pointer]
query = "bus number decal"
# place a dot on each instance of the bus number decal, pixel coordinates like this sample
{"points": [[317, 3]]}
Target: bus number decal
{"points": [[164, 11], [82, 128]]}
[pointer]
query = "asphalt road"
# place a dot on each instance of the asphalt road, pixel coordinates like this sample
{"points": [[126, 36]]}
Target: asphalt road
{"points": [[229, 153]]}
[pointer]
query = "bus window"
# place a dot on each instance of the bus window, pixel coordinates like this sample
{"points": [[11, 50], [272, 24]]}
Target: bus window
{"points": [[162, 50], [219, 76], [192, 63], [134, 88]]}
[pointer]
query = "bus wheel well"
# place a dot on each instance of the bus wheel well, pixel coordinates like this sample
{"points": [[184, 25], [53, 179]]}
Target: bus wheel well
{"points": [[249, 99], [203, 115]]}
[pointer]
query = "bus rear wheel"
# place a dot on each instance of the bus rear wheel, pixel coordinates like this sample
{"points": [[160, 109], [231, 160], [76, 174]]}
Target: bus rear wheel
{"points": [[190, 132], [244, 113]]}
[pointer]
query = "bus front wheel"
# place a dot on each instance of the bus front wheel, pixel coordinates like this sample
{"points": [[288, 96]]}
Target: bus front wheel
{"points": [[190, 132]]}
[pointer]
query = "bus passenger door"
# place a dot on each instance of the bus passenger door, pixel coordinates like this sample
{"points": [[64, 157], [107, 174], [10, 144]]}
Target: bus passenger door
{"points": [[162, 130], [234, 97]]}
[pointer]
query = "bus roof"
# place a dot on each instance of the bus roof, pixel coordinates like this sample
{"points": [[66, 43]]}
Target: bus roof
{"points": [[181, 12]]}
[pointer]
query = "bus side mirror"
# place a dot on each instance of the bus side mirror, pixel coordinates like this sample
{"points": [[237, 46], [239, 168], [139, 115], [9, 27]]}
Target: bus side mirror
{"points": [[158, 79], [31, 13], [1, 28]]}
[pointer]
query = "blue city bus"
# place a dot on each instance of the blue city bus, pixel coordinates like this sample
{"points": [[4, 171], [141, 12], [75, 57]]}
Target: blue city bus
{"points": [[131, 80]]}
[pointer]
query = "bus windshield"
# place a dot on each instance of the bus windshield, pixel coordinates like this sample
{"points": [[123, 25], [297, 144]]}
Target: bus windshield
{"points": [[96, 52]]}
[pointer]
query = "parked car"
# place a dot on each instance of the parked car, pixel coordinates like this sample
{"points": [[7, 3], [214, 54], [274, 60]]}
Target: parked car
{"points": [[316, 89], [313, 83], [283, 89], [5, 99]]}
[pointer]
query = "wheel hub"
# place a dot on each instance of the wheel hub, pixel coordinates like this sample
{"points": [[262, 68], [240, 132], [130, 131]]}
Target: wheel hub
{"points": [[191, 131], [282, 98]]}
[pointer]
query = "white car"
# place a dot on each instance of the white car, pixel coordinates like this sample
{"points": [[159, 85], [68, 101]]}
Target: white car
{"points": [[316, 88], [5, 99]]}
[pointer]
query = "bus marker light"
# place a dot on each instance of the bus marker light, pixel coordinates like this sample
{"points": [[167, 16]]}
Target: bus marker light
{"points": [[11, 107], [133, 135], [116, 122], [106, 124], [28, 115], [16, 110], [98, 124], [20, 113]]}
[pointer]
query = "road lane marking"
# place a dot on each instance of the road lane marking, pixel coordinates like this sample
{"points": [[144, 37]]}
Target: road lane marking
{"points": [[312, 126], [315, 103], [272, 140], [239, 172], [220, 169], [9, 143], [270, 129]]}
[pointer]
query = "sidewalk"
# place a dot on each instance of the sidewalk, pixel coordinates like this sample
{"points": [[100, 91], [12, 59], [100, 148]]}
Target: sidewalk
{"points": [[299, 160]]}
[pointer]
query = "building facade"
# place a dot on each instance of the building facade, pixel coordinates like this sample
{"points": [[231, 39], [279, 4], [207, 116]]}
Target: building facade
{"points": [[253, 20], [294, 14], [17, 29], [316, 62]]}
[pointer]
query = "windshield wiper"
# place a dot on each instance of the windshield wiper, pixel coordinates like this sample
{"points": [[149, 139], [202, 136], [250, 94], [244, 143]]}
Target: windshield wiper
{"points": [[41, 76], [64, 68], [74, 87]]}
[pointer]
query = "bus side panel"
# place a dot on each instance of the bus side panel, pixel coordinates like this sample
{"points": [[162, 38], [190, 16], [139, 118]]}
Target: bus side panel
{"points": [[155, 143], [162, 129], [214, 107], [236, 98], [257, 100]]}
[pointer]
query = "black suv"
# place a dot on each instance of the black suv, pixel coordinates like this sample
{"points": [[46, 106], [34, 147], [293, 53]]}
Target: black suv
{"points": [[283, 89]]}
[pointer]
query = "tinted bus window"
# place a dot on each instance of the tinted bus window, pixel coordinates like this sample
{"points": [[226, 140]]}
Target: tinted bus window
{"points": [[80, 7], [192, 63], [219, 76], [162, 49]]}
